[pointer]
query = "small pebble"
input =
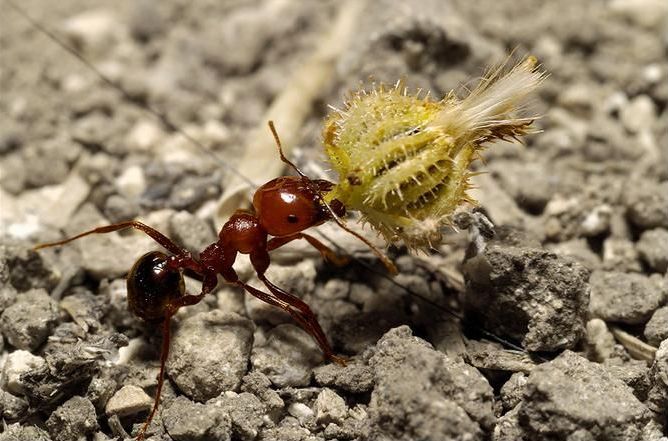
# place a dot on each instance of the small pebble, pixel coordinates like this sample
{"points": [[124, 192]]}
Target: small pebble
{"points": [[302, 412], [656, 329], [128, 400], [191, 232], [210, 353], [512, 391], [12, 407], [572, 395], [131, 183], [18, 363], [600, 341], [625, 297], [647, 204], [657, 396], [73, 420], [653, 249], [330, 408], [639, 114], [185, 420], [28, 322], [288, 356]]}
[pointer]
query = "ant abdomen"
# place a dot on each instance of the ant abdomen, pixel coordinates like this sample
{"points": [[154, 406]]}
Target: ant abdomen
{"points": [[154, 287]]}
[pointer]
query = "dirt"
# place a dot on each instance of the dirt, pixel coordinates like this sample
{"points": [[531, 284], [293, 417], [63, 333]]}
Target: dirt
{"points": [[553, 329]]}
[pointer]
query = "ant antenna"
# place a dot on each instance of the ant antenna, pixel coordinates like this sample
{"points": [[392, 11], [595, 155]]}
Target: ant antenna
{"points": [[280, 150], [386, 261]]}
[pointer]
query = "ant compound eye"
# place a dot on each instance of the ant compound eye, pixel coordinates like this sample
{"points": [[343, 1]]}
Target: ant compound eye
{"points": [[292, 219], [153, 286]]}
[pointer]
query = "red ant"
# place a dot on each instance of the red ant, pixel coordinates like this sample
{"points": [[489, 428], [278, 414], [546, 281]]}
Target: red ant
{"points": [[282, 208]]}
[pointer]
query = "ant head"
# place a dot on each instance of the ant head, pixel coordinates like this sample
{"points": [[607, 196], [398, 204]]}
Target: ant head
{"points": [[291, 204], [154, 287]]}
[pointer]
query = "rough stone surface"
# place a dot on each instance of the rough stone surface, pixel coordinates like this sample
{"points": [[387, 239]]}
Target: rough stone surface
{"points": [[513, 390], [570, 397], [28, 322], [186, 420], [330, 408], [625, 297], [656, 329], [354, 377], [653, 248], [128, 400], [246, 412], [17, 432], [528, 294], [12, 407], [209, 354], [657, 396], [191, 232], [26, 268], [647, 204], [73, 420], [288, 356], [440, 400], [16, 365]]}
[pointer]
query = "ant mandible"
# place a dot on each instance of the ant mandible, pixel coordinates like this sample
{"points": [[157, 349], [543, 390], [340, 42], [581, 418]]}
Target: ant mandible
{"points": [[282, 208]]}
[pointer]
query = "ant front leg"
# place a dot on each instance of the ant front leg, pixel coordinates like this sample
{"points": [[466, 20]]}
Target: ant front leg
{"points": [[293, 305], [327, 253]]}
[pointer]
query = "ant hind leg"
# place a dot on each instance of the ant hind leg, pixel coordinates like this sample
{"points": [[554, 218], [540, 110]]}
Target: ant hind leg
{"points": [[151, 232]]}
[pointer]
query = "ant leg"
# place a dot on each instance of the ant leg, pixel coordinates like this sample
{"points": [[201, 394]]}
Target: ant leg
{"points": [[295, 306], [327, 253], [151, 232], [164, 353], [306, 320]]}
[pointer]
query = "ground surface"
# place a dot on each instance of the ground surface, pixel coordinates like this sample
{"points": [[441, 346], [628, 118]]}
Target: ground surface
{"points": [[576, 273]]}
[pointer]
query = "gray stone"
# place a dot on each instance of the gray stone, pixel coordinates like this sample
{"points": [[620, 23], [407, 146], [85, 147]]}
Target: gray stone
{"points": [[625, 297], [288, 356], [12, 408], [73, 420], [657, 396], [570, 398], [128, 400], [28, 322], [246, 412], [186, 420], [508, 427], [18, 432], [600, 343], [639, 114], [355, 377], [530, 295], [620, 254], [653, 249], [16, 365], [259, 385], [634, 373], [26, 268], [297, 279], [191, 232], [513, 390], [330, 408], [209, 354], [647, 204], [440, 400], [656, 329]]}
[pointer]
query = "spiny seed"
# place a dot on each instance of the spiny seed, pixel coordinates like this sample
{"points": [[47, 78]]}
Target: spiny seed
{"points": [[410, 155]]}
